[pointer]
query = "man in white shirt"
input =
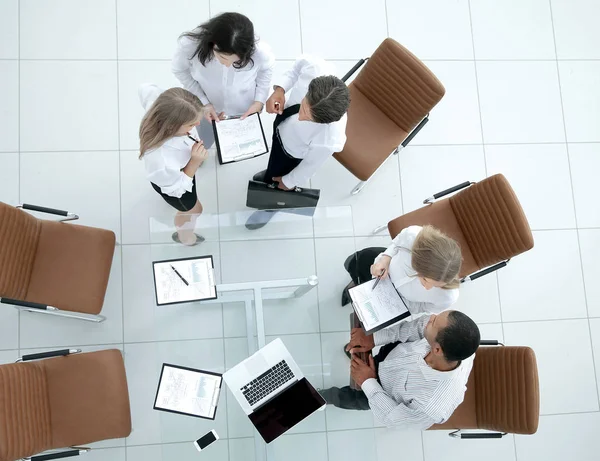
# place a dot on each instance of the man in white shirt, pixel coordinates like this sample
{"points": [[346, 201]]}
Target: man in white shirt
{"points": [[310, 126], [419, 376]]}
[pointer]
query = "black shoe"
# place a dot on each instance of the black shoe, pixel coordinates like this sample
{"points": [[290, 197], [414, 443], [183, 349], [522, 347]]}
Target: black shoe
{"points": [[259, 219], [346, 299], [260, 176], [199, 239]]}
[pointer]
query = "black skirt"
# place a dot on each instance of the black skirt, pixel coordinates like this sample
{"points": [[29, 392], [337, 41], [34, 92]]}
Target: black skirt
{"points": [[184, 203]]}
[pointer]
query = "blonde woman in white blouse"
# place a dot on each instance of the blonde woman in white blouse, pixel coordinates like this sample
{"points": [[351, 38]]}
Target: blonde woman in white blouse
{"points": [[172, 153], [222, 63], [422, 263]]}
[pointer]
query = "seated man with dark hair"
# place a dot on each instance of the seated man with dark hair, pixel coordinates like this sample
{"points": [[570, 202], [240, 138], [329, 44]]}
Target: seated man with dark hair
{"points": [[419, 376]]}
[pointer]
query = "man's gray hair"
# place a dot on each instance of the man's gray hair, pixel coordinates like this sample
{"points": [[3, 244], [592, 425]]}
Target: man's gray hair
{"points": [[328, 98]]}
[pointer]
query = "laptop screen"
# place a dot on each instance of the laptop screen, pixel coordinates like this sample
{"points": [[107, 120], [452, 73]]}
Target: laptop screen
{"points": [[285, 410]]}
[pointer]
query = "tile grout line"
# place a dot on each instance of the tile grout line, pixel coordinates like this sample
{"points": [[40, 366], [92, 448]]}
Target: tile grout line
{"points": [[562, 108], [387, 19], [422, 445], [19, 145], [300, 23], [119, 246], [328, 59]]}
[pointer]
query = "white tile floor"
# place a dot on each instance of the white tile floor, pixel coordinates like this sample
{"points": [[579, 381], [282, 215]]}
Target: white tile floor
{"points": [[69, 114]]}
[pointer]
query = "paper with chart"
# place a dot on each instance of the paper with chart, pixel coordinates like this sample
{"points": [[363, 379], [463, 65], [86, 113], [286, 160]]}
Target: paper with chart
{"points": [[188, 391], [378, 307], [170, 279], [240, 139]]}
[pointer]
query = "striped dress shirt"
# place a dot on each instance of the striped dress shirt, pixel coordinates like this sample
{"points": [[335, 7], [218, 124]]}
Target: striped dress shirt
{"points": [[411, 393]]}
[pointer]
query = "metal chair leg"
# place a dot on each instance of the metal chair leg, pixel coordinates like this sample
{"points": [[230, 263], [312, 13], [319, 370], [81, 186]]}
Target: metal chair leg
{"points": [[378, 229], [358, 187]]}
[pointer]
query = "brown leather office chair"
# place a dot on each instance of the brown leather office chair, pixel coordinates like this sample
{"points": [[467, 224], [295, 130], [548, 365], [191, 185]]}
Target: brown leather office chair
{"points": [[64, 401], [53, 267], [390, 100], [502, 394], [485, 218]]}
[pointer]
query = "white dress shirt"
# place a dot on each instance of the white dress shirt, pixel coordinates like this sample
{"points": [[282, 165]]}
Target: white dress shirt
{"points": [[312, 142], [406, 281], [411, 393], [165, 162], [228, 89]]}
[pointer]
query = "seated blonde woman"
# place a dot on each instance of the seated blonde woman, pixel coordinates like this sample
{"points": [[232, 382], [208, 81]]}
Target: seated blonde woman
{"points": [[422, 263]]}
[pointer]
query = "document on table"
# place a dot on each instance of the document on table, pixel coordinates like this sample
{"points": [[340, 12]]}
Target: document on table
{"points": [[238, 139], [184, 280], [378, 308], [188, 391]]}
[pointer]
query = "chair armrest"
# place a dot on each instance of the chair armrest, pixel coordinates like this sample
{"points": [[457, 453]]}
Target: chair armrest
{"points": [[354, 69], [490, 342], [18, 302], [46, 355], [414, 132], [486, 271], [59, 454], [476, 435], [42, 209], [450, 190]]}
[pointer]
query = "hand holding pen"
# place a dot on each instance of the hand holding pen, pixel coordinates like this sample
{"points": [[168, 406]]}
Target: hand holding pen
{"points": [[378, 279]]}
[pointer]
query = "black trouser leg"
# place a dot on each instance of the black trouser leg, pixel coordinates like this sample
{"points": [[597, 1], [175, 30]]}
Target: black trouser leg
{"points": [[280, 163], [346, 398], [359, 264]]}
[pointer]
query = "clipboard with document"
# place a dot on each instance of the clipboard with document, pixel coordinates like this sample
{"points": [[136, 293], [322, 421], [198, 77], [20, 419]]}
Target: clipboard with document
{"points": [[379, 308], [238, 140], [184, 280], [188, 391]]}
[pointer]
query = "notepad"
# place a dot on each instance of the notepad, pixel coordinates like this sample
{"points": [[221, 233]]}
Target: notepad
{"points": [[188, 391], [184, 280], [378, 308], [238, 139]]}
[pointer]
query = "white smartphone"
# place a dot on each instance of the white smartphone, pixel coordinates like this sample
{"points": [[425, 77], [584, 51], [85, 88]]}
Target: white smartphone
{"points": [[206, 440]]}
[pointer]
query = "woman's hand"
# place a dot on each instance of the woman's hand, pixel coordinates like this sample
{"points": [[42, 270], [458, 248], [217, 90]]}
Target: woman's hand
{"points": [[199, 153], [254, 107], [381, 268], [211, 114], [276, 102]]}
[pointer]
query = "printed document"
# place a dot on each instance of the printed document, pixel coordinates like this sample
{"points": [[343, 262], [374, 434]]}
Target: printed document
{"points": [[169, 281], [379, 307], [187, 391], [240, 139]]}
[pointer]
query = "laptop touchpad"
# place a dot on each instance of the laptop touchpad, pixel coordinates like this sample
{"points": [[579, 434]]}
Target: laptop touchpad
{"points": [[257, 365]]}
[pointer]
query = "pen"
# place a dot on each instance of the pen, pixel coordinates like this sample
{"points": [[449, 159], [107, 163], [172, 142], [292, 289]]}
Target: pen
{"points": [[378, 279], [179, 275], [192, 138]]}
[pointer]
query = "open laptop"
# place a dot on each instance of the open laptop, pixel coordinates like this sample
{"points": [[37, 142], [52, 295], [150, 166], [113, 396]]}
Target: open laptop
{"points": [[272, 390]]}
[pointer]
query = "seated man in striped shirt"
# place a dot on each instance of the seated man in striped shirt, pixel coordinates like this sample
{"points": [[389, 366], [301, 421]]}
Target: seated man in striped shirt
{"points": [[419, 376]]}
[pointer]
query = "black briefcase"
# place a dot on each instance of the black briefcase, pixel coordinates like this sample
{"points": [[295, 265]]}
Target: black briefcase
{"points": [[263, 196]]}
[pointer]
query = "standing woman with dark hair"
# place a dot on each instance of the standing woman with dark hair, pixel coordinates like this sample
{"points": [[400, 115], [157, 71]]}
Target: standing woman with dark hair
{"points": [[223, 64]]}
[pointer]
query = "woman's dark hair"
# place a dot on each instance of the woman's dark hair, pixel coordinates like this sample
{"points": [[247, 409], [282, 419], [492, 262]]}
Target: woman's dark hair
{"points": [[460, 339], [231, 33]]}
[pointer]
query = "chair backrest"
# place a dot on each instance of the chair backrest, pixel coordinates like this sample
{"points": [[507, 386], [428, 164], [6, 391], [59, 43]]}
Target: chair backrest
{"points": [[507, 390], [25, 427], [19, 236], [492, 221], [399, 84]]}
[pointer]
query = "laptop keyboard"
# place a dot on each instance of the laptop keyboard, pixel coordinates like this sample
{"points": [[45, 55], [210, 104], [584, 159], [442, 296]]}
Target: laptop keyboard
{"points": [[266, 383]]}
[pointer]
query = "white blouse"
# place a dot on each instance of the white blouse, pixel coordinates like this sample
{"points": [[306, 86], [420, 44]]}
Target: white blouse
{"points": [[406, 281], [164, 163], [313, 142], [228, 89]]}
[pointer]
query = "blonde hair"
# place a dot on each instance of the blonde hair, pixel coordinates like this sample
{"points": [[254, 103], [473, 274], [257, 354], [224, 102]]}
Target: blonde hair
{"points": [[437, 257], [174, 108]]}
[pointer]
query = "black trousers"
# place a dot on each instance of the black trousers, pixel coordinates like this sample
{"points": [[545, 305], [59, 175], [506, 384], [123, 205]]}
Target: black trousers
{"points": [[280, 162], [359, 264], [354, 399]]}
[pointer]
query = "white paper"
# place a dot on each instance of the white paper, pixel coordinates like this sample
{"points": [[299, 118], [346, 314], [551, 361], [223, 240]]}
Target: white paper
{"points": [[188, 391], [240, 139], [197, 272], [377, 306]]}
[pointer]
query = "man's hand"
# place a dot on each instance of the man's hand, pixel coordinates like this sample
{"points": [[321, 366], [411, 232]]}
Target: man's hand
{"points": [[359, 341], [254, 107], [276, 102], [280, 185], [211, 114], [361, 371]]}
